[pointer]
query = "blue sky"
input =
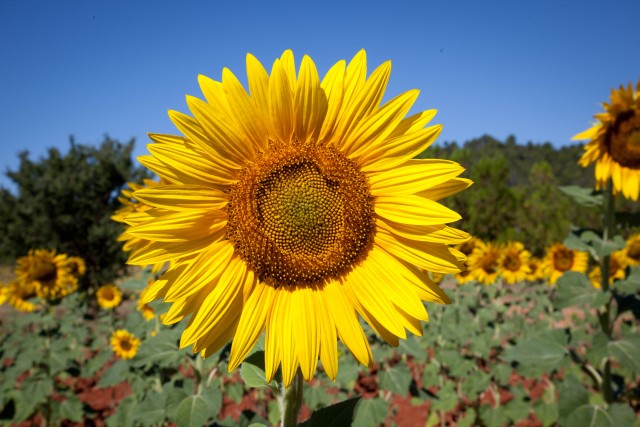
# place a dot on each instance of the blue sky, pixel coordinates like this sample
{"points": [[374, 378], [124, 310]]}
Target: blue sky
{"points": [[535, 69]]}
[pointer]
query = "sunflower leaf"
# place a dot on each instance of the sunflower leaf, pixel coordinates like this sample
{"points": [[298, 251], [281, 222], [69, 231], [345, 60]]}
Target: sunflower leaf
{"points": [[626, 351], [192, 412], [582, 196], [573, 289], [338, 415], [252, 370]]}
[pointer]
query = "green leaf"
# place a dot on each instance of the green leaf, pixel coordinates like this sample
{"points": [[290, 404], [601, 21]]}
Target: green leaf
{"points": [[124, 414], [574, 242], [430, 375], [574, 289], [544, 351], [599, 348], [590, 416], [396, 379], [622, 415], [447, 398], [192, 412], [71, 409], [174, 397], [467, 419], [572, 396], [116, 374], [338, 415], [252, 370], [234, 392], [492, 417], [626, 351], [630, 285], [162, 350], [371, 412], [213, 398], [316, 397], [274, 412], [152, 409], [547, 413], [582, 196]]}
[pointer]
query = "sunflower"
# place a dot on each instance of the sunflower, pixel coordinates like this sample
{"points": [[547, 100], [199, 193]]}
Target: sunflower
{"points": [[147, 312], [617, 270], [514, 263], [484, 262], [77, 266], [632, 250], [108, 296], [17, 297], [560, 259], [129, 206], [124, 344], [614, 143], [294, 208], [466, 248], [536, 272], [47, 273]]}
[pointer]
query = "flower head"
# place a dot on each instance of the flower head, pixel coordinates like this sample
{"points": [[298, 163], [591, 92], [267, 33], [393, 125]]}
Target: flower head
{"points": [[466, 248], [632, 250], [124, 344], [514, 263], [47, 273], [77, 266], [560, 259], [614, 143], [294, 208], [484, 262], [108, 296]]}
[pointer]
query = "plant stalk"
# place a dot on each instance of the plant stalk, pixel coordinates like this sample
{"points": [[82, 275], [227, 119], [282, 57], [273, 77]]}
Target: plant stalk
{"points": [[290, 401], [605, 315]]}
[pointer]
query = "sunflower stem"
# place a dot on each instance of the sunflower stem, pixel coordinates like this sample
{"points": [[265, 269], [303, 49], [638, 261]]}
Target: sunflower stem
{"points": [[604, 315], [290, 401]]}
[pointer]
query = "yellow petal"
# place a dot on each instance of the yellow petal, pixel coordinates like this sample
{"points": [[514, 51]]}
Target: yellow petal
{"points": [[333, 86], [280, 104], [182, 197], [413, 177], [310, 102], [414, 210]]}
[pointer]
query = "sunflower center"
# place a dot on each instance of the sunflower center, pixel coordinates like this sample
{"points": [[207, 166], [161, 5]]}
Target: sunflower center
{"points": [[125, 345], [489, 263], [634, 251], [45, 271], [623, 139], [108, 294], [563, 259], [301, 214], [512, 262]]}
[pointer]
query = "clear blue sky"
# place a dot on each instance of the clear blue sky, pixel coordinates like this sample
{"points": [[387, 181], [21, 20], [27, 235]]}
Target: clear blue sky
{"points": [[537, 69]]}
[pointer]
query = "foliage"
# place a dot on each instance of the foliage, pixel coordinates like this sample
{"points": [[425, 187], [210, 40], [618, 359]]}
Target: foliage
{"points": [[65, 201]]}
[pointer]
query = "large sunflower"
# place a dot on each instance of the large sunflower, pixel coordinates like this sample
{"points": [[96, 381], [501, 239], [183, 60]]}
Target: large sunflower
{"points": [[47, 273], [514, 263], [484, 262], [560, 259], [294, 208], [615, 142]]}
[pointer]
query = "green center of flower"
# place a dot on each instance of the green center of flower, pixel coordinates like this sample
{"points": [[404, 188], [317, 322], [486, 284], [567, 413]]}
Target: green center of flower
{"points": [[301, 214], [623, 139]]}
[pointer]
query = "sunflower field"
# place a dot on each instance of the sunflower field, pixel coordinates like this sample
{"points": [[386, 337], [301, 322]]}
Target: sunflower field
{"points": [[300, 254]]}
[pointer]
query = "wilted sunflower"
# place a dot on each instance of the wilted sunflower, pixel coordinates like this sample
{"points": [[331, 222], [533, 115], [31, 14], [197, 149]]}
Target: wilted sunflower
{"points": [[108, 296], [632, 250], [124, 344], [294, 208], [484, 262], [77, 266], [615, 142], [560, 259], [514, 263], [47, 273], [466, 248], [617, 270]]}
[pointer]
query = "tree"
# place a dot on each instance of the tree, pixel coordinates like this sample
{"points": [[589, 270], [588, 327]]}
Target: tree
{"points": [[65, 202]]}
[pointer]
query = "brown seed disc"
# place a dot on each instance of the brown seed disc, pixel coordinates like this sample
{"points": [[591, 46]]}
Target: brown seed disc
{"points": [[301, 214], [623, 139]]}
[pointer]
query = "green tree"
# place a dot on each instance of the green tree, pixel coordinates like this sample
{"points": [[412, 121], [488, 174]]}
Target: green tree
{"points": [[65, 202]]}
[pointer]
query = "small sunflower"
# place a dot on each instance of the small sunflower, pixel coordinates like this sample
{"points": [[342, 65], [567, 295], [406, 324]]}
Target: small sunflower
{"points": [[77, 266], [108, 296], [124, 344], [536, 272], [514, 263], [484, 262], [17, 297], [614, 143], [617, 270], [47, 273], [632, 250], [466, 249], [294, 208], [560, 259]]}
